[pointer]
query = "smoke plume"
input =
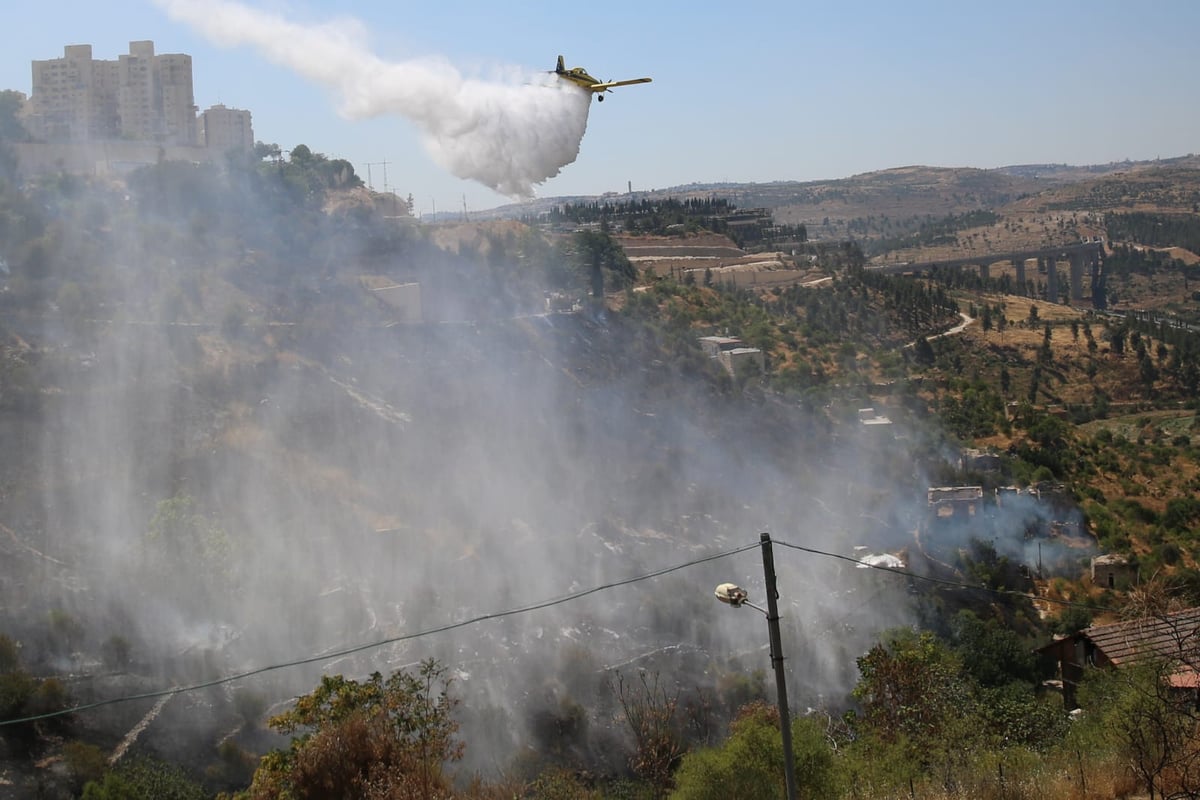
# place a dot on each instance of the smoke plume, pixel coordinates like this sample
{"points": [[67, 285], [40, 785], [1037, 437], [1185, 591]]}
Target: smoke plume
{"points": [[508, 134]]}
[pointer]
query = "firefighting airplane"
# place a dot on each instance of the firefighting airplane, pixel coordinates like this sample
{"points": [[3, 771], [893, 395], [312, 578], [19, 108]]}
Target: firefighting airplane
{"points": [[579, 77]]}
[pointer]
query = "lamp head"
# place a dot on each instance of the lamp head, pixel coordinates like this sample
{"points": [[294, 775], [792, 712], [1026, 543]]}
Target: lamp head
{"points": [[732, 594]]}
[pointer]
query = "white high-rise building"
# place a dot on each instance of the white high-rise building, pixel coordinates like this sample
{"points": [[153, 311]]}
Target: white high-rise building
{"points": [[69, 100], [140, 97], [223, 129]]}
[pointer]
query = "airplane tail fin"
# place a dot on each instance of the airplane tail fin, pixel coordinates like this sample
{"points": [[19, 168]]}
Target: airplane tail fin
{"points": [[561, 67]]}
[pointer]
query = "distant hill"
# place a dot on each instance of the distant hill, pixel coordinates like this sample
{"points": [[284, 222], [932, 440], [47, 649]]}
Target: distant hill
{"points": [[907, 196]]}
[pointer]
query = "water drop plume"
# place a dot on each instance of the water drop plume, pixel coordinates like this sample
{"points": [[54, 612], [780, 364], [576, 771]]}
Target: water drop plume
{"points": [[509, 133]]}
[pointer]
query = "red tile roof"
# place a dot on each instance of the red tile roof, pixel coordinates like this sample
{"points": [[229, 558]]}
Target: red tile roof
{"points": [[1169, 636]]}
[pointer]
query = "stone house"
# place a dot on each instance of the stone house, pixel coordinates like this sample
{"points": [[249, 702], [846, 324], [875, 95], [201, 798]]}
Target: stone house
{"points": [[732, 354], [946, 503], [1112, 570], [1174, 638]]}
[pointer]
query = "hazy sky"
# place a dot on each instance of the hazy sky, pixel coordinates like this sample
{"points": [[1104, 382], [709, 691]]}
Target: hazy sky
{"points": [[746, 91]]}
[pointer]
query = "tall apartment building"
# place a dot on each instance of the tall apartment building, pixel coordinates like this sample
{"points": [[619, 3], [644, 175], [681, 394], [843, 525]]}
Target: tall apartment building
{"points": [[141, 97], [223, 129], [69, 93]]}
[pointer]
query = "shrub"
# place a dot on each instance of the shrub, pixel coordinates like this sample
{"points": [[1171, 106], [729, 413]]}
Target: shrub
{"points": [[1169, 553], [750, 762], [8, 654], [115, 652], [144, 780], [85, 763]]}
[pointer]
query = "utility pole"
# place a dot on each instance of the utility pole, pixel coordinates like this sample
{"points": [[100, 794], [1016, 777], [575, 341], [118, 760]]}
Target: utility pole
{"points": [[785, 716], [370, 184], [734, 595]]}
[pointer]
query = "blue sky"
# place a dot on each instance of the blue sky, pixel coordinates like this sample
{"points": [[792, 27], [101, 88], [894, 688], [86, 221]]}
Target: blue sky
{"points": [[746, 91]]}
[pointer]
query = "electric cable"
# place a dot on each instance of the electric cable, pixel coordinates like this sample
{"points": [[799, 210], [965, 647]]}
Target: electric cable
{"points": [[536, 607], [945, 581], [380, 643]]}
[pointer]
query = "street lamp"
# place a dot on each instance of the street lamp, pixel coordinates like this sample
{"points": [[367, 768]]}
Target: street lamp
{"points": [[734, 595]]}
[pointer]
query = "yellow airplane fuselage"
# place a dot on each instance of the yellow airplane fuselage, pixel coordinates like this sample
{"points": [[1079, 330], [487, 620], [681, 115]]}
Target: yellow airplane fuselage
{"points": [[580, 77]]}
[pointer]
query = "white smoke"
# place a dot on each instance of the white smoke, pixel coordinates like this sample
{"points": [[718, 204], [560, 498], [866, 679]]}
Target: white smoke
{"points": [[508, 135]]}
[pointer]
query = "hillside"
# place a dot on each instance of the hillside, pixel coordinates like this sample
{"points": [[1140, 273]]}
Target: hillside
{"points": [[258, 429]]}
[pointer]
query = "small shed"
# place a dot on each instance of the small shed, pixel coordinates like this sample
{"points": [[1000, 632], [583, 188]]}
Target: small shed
{"points": [[1112, 570], [713, 346], [738, 360]]}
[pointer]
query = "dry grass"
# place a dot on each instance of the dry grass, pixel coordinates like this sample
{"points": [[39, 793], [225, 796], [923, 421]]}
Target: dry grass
{"points": [[1186, 256], [1066, 380], [1051, 781]]}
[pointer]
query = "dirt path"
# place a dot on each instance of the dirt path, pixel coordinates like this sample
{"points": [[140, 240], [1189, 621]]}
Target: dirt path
{"points": [[136, 730], [30, 548], [959, 328]]}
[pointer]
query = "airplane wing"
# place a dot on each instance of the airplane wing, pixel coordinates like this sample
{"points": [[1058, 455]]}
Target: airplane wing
{"points": [[598, 87]]}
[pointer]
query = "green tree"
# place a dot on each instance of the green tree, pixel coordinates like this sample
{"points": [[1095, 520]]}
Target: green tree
{"points": [[915, 694], [22, 695], [924, 351], [750, 762], [598, 253], [302, 155], [1151, 727], [1147, 370], [116, 652], [1048, 431], [1071, 620], [185, 545], [9, 653], [558, 783], [85, 763], [1117, 340], [66, 631], [1181, 513], [910, 685], [145, 779], [11, 129], [264, 151], [16, 690], [365, 741], [993, 654]]}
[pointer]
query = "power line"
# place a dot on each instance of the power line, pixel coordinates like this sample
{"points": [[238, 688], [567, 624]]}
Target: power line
{"points": [[944, 581], [536, 607], [380, 643]]}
